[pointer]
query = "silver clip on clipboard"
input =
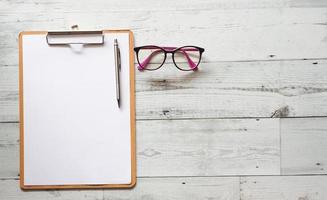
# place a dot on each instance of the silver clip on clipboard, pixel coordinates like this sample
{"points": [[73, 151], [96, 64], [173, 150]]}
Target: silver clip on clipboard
{"points": [[75, 37]]}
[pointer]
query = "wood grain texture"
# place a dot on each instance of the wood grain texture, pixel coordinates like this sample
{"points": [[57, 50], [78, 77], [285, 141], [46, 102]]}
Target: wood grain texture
{"points": [[10, 190], [284, 187], [303, 87], [9, 150], [180, 188], [304, 146], [188, 148], [208, 147], [100, 5], [217, 90], [245, 33], [9, 94], [235, 89], [147, 188]]}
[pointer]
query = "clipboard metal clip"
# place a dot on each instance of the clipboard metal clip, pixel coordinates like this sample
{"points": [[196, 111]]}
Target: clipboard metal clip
{"points": [[75, 37]]}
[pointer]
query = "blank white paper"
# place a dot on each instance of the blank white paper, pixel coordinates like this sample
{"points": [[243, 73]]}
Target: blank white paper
{"points": [[74, 132]]}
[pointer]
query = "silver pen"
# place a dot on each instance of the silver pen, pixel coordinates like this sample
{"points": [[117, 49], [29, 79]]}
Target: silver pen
{"points": [[118, 68]]}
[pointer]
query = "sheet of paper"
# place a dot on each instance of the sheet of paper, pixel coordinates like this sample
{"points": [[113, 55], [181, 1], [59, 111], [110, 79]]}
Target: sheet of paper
{"points": [[74, 132]]}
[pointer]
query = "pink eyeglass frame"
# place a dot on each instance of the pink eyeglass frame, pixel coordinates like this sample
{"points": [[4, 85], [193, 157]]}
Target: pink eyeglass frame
{"points": [[193, 66]]}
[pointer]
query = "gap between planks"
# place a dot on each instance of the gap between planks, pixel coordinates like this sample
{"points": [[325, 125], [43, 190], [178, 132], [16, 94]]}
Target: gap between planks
{"points": [[207, 118], [230, 61], [222, 176]]}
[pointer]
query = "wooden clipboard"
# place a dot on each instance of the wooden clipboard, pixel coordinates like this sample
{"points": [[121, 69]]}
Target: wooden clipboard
{"points": [[132, 120]]}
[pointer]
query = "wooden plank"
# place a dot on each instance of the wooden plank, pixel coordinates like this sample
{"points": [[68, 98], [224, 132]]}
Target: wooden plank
{"points": [[180, 188], [217, 90], [283, 187], [144, 5], [208, 147], [227, 35], [146, 188], [188, 148], [235, 89], [304, 88], [9, 150], [9, 189], [9, 94], [304, 146]]}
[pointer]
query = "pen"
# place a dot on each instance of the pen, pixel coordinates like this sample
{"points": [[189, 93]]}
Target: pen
{"points": [[117, 67]]}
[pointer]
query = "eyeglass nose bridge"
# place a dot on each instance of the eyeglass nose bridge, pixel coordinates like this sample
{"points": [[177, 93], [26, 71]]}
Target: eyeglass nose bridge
{"points": [[169, 51]]}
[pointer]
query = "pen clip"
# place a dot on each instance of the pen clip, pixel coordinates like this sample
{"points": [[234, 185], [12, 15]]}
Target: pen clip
{"points": [[119, 59]]}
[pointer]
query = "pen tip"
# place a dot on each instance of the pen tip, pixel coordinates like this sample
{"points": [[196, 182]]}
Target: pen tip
{"points": [[118, 103]]}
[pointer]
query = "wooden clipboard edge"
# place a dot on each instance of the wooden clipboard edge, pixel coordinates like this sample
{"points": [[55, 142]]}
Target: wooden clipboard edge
{"points": [[132, 121]]}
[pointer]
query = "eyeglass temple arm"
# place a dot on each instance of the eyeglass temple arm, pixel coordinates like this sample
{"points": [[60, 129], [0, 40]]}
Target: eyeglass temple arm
{"points": [[147, 60]]}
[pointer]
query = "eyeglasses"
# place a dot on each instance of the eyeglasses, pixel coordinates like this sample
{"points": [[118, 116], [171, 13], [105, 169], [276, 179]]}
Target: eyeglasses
{"points": [[152, 57]]}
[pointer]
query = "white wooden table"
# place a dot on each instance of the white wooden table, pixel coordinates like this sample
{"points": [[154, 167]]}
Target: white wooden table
{"points": [[250, 124]]}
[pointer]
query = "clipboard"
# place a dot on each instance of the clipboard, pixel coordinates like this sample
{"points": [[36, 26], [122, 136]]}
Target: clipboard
{"points": [[27, 85]]}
